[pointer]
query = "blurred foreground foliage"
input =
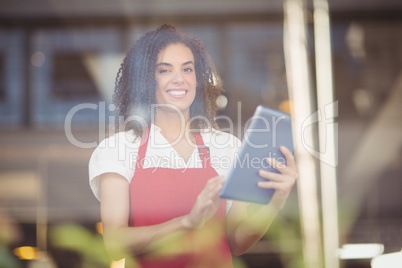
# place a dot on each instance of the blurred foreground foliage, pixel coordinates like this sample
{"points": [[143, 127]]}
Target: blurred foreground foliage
{"points": [[284, 235], [88, 245], [7, 259], [9, 234]]}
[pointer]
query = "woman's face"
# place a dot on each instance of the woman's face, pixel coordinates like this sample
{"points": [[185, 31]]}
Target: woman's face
{"points": [[175, 77]]}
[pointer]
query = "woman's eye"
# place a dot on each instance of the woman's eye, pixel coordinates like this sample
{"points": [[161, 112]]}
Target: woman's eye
{"points": [[188, 69], [161, 71]]}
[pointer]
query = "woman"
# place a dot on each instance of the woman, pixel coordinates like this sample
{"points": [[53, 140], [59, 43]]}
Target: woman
{"points": [[159, 177]]}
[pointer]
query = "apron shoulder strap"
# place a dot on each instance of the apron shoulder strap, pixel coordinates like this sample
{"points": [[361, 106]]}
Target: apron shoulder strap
{"points": [[142, 150], [202, 149]]}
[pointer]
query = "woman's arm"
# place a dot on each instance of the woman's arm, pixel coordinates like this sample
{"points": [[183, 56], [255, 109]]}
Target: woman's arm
{"points": [[139, 240], [247, 223]]}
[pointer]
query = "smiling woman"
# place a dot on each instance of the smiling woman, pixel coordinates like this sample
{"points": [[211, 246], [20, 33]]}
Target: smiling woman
{"points": [[170, 215]]}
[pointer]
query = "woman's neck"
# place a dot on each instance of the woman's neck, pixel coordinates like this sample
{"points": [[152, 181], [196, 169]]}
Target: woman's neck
{"points": [[172, 124]]}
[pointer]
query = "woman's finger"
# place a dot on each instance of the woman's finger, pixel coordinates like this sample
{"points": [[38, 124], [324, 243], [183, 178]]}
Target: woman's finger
{"points": [[267, 184], [215, 180], [215, 184], [276, 164], [290, 160], [282, 187], [273, 185], [289, 169], [211, 190], [270, 175]]}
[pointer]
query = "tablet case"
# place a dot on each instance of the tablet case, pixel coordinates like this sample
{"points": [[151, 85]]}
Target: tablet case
{"points": [[268, 130]]}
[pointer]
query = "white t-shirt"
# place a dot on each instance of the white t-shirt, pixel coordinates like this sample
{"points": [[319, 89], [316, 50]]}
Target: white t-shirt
{"points": [[118, 154]]}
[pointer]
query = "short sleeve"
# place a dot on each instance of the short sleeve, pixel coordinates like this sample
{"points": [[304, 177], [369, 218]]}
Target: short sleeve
{"points": [[113, 155]]}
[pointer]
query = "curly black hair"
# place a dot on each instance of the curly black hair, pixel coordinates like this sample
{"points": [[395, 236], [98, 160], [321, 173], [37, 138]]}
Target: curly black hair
{"points": [[136, 85]]}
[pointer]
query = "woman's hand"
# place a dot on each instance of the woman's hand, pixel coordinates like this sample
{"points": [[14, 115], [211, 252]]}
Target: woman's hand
{"points": [[282, 182], [206, 205]]}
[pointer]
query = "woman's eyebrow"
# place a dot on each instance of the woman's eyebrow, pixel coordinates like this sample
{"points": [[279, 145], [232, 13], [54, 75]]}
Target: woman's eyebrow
{"points": [[188, 62], [168, 64], [164, 64]]}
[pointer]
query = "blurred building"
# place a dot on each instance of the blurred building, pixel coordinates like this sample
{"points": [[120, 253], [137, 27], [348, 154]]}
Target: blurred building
{"points": [[58, 55]]}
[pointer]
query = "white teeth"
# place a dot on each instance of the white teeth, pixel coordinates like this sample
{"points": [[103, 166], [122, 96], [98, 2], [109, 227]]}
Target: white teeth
{"points": [[177, 92]]}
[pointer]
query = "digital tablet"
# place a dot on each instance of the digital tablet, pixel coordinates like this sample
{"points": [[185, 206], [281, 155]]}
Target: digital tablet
{"points": [[268, 130]]}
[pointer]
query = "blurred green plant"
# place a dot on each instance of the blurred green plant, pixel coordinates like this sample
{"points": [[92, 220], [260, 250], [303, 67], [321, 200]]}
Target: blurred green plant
{"points": [[7, 259], [9, 233], [284, 234], [88, 245]]}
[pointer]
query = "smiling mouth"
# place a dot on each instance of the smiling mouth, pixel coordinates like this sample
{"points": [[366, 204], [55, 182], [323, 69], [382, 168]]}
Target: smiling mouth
{"points": [[177, 93]]}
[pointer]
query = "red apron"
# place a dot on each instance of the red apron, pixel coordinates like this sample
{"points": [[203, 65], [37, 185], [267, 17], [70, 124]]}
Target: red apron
{"points": [[161, 194]]}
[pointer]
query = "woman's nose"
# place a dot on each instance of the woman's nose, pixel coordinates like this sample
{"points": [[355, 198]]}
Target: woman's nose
{"points": [[178, 77]]}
